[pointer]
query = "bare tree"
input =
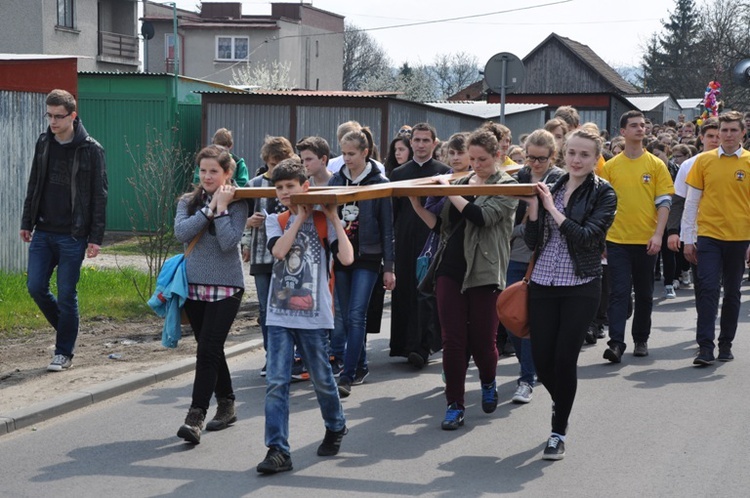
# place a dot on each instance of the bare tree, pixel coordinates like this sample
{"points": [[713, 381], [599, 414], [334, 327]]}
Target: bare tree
{"points": [[364, 58], [414, 83], [452, 72], [163, 170]]}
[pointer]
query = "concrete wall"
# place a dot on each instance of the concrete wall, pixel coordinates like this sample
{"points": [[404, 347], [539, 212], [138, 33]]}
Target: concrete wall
{"points": [[31, 27], [21, 19]]}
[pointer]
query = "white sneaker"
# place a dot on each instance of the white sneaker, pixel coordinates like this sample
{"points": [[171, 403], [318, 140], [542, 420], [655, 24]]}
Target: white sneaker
{"points": [[676, 284], [59, 362], [523, 393], [685, 279], [669, 292]]}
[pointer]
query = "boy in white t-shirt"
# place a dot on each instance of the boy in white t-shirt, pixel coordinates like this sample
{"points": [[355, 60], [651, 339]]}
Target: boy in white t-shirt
{"points": [[300, 312]]}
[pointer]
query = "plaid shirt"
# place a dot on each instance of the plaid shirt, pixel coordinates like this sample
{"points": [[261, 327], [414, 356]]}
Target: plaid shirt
{"points": [[554, 267], [210, 293]]}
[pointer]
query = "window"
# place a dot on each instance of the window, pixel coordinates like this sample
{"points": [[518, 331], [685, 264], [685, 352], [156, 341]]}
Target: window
{"points": [[65, 13], [232, 48]]}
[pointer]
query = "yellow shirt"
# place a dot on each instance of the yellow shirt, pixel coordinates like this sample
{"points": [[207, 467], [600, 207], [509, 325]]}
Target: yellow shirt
{"points": [[508, 162], [638, 183], [599, 166], [724, 209]]}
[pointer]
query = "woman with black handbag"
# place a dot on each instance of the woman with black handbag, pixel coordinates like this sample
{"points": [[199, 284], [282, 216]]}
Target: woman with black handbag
{"points": [[568, 231], [469, 270]]}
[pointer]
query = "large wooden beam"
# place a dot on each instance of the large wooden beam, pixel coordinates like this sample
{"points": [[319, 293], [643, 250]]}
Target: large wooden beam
{"points": [[395, 190], [419, 187]]}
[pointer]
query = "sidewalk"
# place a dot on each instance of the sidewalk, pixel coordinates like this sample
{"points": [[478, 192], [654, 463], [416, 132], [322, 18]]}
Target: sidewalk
{"points": [[61, 405]]}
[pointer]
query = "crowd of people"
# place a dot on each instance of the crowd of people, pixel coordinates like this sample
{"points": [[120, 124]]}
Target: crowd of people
{"points": [[607, 219]]}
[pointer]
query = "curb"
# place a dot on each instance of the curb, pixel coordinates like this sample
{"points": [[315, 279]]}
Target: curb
{"points": [[67, 403]]}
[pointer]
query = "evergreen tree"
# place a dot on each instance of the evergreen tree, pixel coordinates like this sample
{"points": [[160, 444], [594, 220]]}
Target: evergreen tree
{"points": [[672, 62]]}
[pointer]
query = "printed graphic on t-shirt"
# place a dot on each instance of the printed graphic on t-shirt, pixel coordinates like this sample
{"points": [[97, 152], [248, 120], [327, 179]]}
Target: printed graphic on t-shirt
{"points": [[294, 289]]}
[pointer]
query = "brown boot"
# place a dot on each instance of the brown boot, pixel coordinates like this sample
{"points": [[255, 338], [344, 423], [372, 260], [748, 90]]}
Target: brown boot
{"points": [[191, 429], [225, 415]]}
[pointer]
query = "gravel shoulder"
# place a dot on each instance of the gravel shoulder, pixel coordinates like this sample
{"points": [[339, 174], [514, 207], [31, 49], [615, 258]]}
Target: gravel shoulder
{"points": [[136, 346]]}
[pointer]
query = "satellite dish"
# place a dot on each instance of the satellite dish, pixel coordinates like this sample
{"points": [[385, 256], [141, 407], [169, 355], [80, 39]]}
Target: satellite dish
{"points": [[504, 71], [741, 73], [147, 30]]}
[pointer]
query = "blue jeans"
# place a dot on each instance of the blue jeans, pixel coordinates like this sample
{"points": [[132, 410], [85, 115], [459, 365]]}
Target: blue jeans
{"points": [[630, 267], [338, 333], [718, 261], [516, 272], [47, 251], [262, 287], [313, 344], [354, 288]]}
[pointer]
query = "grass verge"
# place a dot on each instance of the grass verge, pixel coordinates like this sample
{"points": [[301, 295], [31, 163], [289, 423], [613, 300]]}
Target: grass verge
{"points": [[101, 293]]}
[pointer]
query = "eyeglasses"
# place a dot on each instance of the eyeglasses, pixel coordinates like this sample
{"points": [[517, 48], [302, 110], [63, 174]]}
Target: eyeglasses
{"points": [[404, 132], [56, 117], [537, 159]]}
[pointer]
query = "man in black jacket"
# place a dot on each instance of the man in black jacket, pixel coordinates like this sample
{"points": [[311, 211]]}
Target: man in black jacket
{"points": [[63, 217]]}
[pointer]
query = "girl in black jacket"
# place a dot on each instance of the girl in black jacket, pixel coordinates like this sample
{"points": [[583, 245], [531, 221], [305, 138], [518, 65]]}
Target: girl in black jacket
{"points": [[568, 232]]}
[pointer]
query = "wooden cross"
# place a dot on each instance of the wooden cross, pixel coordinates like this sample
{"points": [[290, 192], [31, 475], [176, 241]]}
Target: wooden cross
{"points": [[420, 187]]}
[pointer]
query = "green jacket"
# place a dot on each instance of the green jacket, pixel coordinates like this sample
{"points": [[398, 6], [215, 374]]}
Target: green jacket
{"points": [[487, 248]]}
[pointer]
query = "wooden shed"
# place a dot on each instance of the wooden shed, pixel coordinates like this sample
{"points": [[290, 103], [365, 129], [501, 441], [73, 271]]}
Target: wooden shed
{"points": [[561, 71]]}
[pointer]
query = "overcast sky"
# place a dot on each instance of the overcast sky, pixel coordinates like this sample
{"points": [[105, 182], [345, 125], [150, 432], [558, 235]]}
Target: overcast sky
{"points": [[616, 30]]}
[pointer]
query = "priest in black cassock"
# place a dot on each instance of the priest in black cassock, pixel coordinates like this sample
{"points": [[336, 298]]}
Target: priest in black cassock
{"points": [[415, 332]]}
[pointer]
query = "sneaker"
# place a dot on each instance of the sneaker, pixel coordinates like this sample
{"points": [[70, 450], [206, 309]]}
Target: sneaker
{"points": [[669, 292], [600, 334], [345, 387], [555, 449], [613, 354], [275, 461], [489, 397], [59, 362], [359, 377], [725, 353], [263, 370], [591, 334], [299, 372], [454, 418], [685, 278], [676, 284], [523, 393], [225, 415], [336, 366], [640, 349], [417, 360], [705, 357], [332, 442], [190, 431]]}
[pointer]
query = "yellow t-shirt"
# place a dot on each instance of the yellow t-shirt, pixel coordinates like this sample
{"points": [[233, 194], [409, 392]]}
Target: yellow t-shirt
{"points": [[508, 162], [724, 209], [638, 183], [599, 166]]}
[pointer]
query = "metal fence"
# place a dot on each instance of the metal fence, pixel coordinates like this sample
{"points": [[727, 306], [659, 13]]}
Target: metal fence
{"points": [[21, 122]]}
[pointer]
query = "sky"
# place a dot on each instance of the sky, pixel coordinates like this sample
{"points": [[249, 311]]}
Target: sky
{"points": [[617, 31]]}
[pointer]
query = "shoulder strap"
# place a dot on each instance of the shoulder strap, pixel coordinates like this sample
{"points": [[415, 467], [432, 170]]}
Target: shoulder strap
{"points": [[284, 219], [321, 226]]}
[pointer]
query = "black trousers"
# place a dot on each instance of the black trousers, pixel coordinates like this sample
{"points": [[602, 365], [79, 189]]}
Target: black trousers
{"points": [[559, 318], [211, 322]]}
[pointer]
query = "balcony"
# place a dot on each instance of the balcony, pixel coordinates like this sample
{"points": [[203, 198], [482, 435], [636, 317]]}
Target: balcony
{"points": [[118, 48]]}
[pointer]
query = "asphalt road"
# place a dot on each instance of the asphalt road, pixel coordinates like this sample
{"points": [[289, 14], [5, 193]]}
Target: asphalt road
{"points": [[654, 426]]}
